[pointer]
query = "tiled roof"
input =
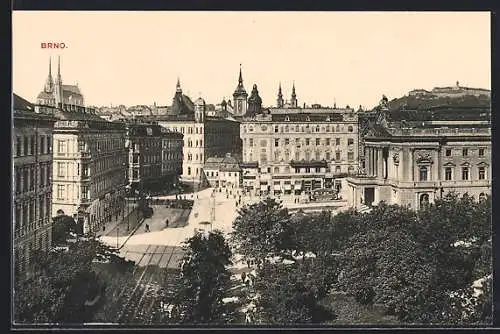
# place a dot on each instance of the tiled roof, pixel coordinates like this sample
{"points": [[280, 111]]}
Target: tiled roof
{"points": [[45, 95], [73, 89], [22, 104]]}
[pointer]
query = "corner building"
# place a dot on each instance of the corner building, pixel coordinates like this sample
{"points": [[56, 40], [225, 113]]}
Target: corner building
{"points": [[90, 166], [32, 185]]}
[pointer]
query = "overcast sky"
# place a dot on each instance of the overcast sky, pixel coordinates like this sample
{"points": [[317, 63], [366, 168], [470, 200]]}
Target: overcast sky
{"points": [[349, 57]]}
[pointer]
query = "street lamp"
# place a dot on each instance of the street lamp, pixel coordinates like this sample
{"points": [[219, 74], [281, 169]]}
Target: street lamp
{"points": [[117, 230]]}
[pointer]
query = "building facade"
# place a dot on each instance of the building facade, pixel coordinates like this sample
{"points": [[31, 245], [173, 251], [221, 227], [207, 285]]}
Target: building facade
{"points": [[154, 157], [89, 166], [32, 140], [291, 150], [203, 136], [416, 165], [224, 172]]}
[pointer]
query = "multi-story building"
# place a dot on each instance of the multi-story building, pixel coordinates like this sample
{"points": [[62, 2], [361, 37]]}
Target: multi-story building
{"points": [[32, 185], [89, 166], [293, 149], [155, 157], [415, 164], [223, 172], [204, 136]]}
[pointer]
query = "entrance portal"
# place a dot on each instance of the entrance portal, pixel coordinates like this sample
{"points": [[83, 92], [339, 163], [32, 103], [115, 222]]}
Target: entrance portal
{"points": [[369, 196]]}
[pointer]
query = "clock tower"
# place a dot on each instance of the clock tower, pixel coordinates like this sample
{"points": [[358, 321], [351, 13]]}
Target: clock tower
{"points": [[240, 98]]}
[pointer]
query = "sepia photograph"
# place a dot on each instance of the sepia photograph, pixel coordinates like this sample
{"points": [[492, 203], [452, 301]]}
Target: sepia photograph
{"points": [[246, 168]]}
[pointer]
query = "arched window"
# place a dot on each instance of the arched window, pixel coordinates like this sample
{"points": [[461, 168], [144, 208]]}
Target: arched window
{"points": [[296, 128], [350, 170], [189, 170], [350, 128], [482, 197], [424, 201], [337, 128], [423, 173], [317, 128], [276, 170]]}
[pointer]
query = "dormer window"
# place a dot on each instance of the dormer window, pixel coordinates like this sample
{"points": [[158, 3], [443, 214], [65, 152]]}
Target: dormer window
{"points": [[308, 119], [287, 119]]}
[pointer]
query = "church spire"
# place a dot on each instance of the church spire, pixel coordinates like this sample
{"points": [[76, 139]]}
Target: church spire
{"points": [[49, 83], [294, 97], [280, 103], [178, 88], [240, 80], [58, 77]]}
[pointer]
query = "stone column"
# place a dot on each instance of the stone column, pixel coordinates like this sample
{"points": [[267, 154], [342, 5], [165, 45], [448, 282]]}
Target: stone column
{"points": [[381, 163], [410, 166]]}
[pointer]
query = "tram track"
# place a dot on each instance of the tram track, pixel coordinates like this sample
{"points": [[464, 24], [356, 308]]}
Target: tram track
{"points": [[125, 307]]}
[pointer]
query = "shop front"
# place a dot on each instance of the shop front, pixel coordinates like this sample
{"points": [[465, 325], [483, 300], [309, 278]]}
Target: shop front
{"points": [[287, 187], [276, 188]]}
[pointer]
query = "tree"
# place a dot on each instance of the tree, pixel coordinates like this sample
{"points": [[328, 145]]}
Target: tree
{"points": [[61, 228], [60, 282], [204, 279], [262, 230], [291, 293], [419, 266]]}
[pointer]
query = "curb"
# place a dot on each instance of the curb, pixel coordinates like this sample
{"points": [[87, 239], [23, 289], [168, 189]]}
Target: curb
{"points": [[139, 224]]}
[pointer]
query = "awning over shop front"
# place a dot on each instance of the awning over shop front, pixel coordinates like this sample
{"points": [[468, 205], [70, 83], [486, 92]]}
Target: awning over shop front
{"points": [[263, 187], [277, 187], [297, 186], [288, 187]]}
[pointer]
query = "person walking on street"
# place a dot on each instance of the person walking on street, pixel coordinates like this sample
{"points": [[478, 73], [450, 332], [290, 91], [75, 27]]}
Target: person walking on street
{"points": [[147, 228], [166, 222]]}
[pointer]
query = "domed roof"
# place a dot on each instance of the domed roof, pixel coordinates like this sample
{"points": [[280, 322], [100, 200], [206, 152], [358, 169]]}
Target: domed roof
{"points": [[200, 101]]}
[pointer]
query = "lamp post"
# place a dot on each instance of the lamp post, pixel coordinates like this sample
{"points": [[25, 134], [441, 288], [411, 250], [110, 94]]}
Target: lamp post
{"points": [[117, 230]]}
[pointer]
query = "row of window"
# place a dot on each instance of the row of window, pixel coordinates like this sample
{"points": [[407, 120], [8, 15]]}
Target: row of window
{"points": [[63, 169], [306, 156], [216, 174], [26, 178], [28, 145], [449, 173], [190, 143], [287, 169], [32, 214], [466, 152], [299, 141], [302, 128], [188, 130], [196, 156]]}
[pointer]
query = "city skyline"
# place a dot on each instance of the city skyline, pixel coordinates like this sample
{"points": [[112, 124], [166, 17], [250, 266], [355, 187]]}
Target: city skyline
{"points": [[385, 53]]}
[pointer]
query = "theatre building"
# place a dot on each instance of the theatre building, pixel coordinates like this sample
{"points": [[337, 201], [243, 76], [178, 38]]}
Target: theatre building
{"points": [[418, 162]]}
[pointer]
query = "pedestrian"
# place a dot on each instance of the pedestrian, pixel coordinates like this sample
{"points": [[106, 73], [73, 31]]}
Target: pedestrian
{"points": [[197, 196], [147, 228], [243, 276], [167, 222]]}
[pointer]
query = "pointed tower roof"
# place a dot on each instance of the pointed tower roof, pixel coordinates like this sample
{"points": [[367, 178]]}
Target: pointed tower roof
{"points": [[280, 94], [58, 77], [178, 88], [293, 89], [240, 90], [49, 83]]}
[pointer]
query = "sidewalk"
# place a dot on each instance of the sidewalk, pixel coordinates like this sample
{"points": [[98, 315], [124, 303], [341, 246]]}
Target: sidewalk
{"points": [[124, 225]]}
